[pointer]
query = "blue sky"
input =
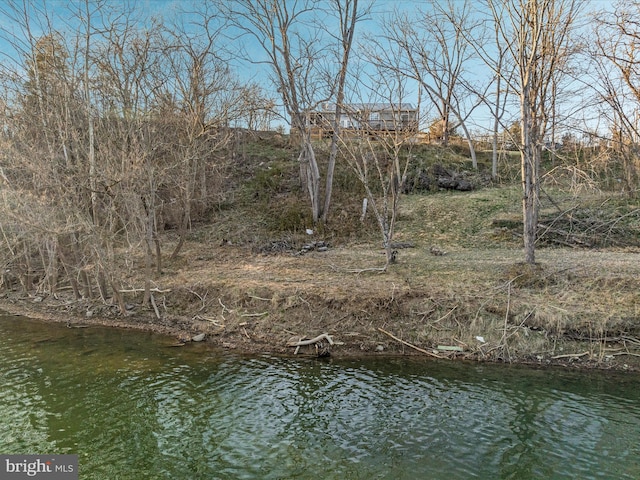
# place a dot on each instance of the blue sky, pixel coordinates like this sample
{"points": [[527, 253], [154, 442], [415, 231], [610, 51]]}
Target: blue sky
{"points": [[62, 19]]}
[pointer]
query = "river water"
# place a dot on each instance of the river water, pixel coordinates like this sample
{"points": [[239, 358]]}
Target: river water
{"points": [[132, 407]]}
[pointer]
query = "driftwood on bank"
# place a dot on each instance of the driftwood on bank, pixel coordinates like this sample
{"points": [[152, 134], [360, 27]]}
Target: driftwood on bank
{"points": [[314, 341], [302, 342], [570, 355]]}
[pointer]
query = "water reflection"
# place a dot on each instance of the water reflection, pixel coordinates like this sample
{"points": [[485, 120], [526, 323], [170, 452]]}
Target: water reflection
{"points": [[134, 408]]}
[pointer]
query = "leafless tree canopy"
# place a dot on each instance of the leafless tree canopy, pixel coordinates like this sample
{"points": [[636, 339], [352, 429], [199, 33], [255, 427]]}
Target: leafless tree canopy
{"points": [[117, 123], [538, 34], [617, 66], [111, 133]]}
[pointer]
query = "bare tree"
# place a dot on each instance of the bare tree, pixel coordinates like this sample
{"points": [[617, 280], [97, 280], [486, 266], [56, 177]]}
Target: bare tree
{"points": [[436, 53], [103, 126], [617, 63], [379, 150], [201, 99], [125, 59], [348, 14], [491, 48], [293, 39], [542, 32], [294, 53], [257, 108], [43, 154], [85, 19]]}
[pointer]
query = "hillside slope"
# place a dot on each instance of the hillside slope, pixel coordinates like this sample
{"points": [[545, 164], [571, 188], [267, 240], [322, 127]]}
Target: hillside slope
{"points": [[251, 279]]}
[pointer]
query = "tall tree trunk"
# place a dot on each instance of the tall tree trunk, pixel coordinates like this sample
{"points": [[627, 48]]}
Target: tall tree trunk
{"points": [[328, 190], [101, 280], [149, 237], [472, 149], [182, 231], [87, 97], [310, 174], [348, 19], [445, 128], [530, 159], [496, 127], [189, 193]]}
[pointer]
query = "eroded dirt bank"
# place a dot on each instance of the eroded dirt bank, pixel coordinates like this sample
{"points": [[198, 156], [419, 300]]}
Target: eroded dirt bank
{"points": [[577, 308]]}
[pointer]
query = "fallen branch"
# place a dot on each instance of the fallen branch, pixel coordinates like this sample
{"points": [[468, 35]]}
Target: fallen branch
{"points": [[358, 271], [260, 298], [570, 355], [261, 314], [301, 343], [209, 319], [444, 316], [626, 353], [224, 307], [155, 307], [202, 299], [136, 290], [421, 350], [633, 340]]}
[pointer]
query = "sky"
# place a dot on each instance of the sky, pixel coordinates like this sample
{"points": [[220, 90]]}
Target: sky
{"points": [[168, 9]]}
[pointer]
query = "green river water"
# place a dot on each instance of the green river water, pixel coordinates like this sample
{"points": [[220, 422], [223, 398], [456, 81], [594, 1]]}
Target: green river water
{"points": [[134, 408]]}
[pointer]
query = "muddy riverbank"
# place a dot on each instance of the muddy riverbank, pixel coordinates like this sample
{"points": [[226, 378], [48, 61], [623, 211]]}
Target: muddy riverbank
{"points": [[577, 307]]}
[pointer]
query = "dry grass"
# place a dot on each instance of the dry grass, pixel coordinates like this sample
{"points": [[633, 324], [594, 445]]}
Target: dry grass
{"points": [[574, 301], [576, 305]]}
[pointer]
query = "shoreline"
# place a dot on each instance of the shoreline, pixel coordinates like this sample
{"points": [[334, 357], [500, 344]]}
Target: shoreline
{"points": [[244, 339]]}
